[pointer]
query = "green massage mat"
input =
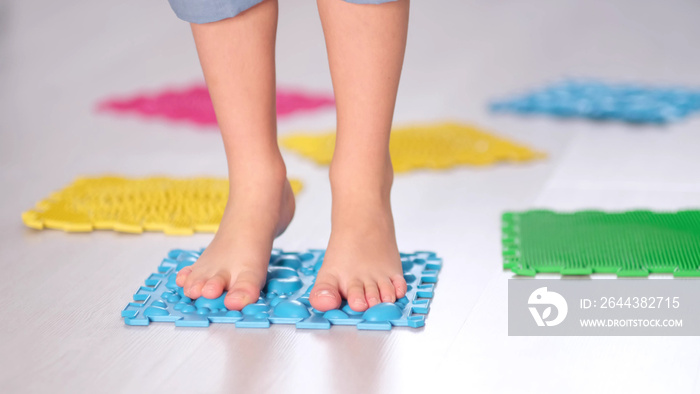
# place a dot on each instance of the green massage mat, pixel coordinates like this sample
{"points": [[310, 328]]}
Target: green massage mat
{"points": [[634, 243]]}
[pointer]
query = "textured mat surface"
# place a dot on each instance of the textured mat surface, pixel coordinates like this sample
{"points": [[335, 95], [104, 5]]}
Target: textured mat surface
{"points": [[134, 205], [284, 299], [194, 104], [634, 243], [433, 146], [598, 100]]}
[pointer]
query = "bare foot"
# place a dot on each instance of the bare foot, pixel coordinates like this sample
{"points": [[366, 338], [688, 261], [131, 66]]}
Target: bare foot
{"points": [[362, 262], [260, 207]]}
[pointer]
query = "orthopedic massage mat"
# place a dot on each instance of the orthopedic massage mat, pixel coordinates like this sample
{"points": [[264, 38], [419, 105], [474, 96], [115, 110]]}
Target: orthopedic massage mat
{"points": [[634, 243], [284, 299], [194, 104], [433, 146], [597, 100], [173, 206]]}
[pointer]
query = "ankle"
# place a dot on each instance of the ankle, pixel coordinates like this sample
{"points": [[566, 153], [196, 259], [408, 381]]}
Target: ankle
{"points": [[375, 175], [268, 169], [360, 186]]}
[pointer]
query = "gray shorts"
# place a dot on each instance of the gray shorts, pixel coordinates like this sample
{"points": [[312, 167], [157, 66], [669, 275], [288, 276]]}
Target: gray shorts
{"points": [[204, 11]]}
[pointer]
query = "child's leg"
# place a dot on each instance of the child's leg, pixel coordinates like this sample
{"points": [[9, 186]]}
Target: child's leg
{"points": [[238, 59], [365, 46]]}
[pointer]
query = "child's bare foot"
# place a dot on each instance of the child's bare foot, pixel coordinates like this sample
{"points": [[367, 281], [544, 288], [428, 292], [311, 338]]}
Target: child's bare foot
{"points": [[362, 263], [260, 207], [238, 60]]}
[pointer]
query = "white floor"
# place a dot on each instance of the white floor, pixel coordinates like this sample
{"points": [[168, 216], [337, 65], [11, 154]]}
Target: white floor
{"points": [[63, 293]]}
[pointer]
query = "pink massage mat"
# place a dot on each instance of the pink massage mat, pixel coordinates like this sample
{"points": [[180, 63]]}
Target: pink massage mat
{"points": [[194, 105]]}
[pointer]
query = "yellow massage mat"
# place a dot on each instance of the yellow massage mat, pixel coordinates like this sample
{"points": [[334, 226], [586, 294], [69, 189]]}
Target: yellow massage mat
{"points": [[433, 146], [134, 205]]}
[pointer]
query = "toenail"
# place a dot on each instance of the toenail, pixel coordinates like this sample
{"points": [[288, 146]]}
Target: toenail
{"points": [[238, 296], [325, 293], [360, 301], [373, 300]]}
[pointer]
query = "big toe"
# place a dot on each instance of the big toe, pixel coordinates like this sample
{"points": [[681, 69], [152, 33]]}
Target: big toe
{"points": [[242, 293], [325, 295]]}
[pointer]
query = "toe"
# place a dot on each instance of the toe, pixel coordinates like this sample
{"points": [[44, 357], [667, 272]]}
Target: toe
{"points": [[214, 287], [194, 290], [245, 290], [387, 291], [325, 296], [182, 276], [356, 296], [372, 294], [399, 284], [241, 294]]}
